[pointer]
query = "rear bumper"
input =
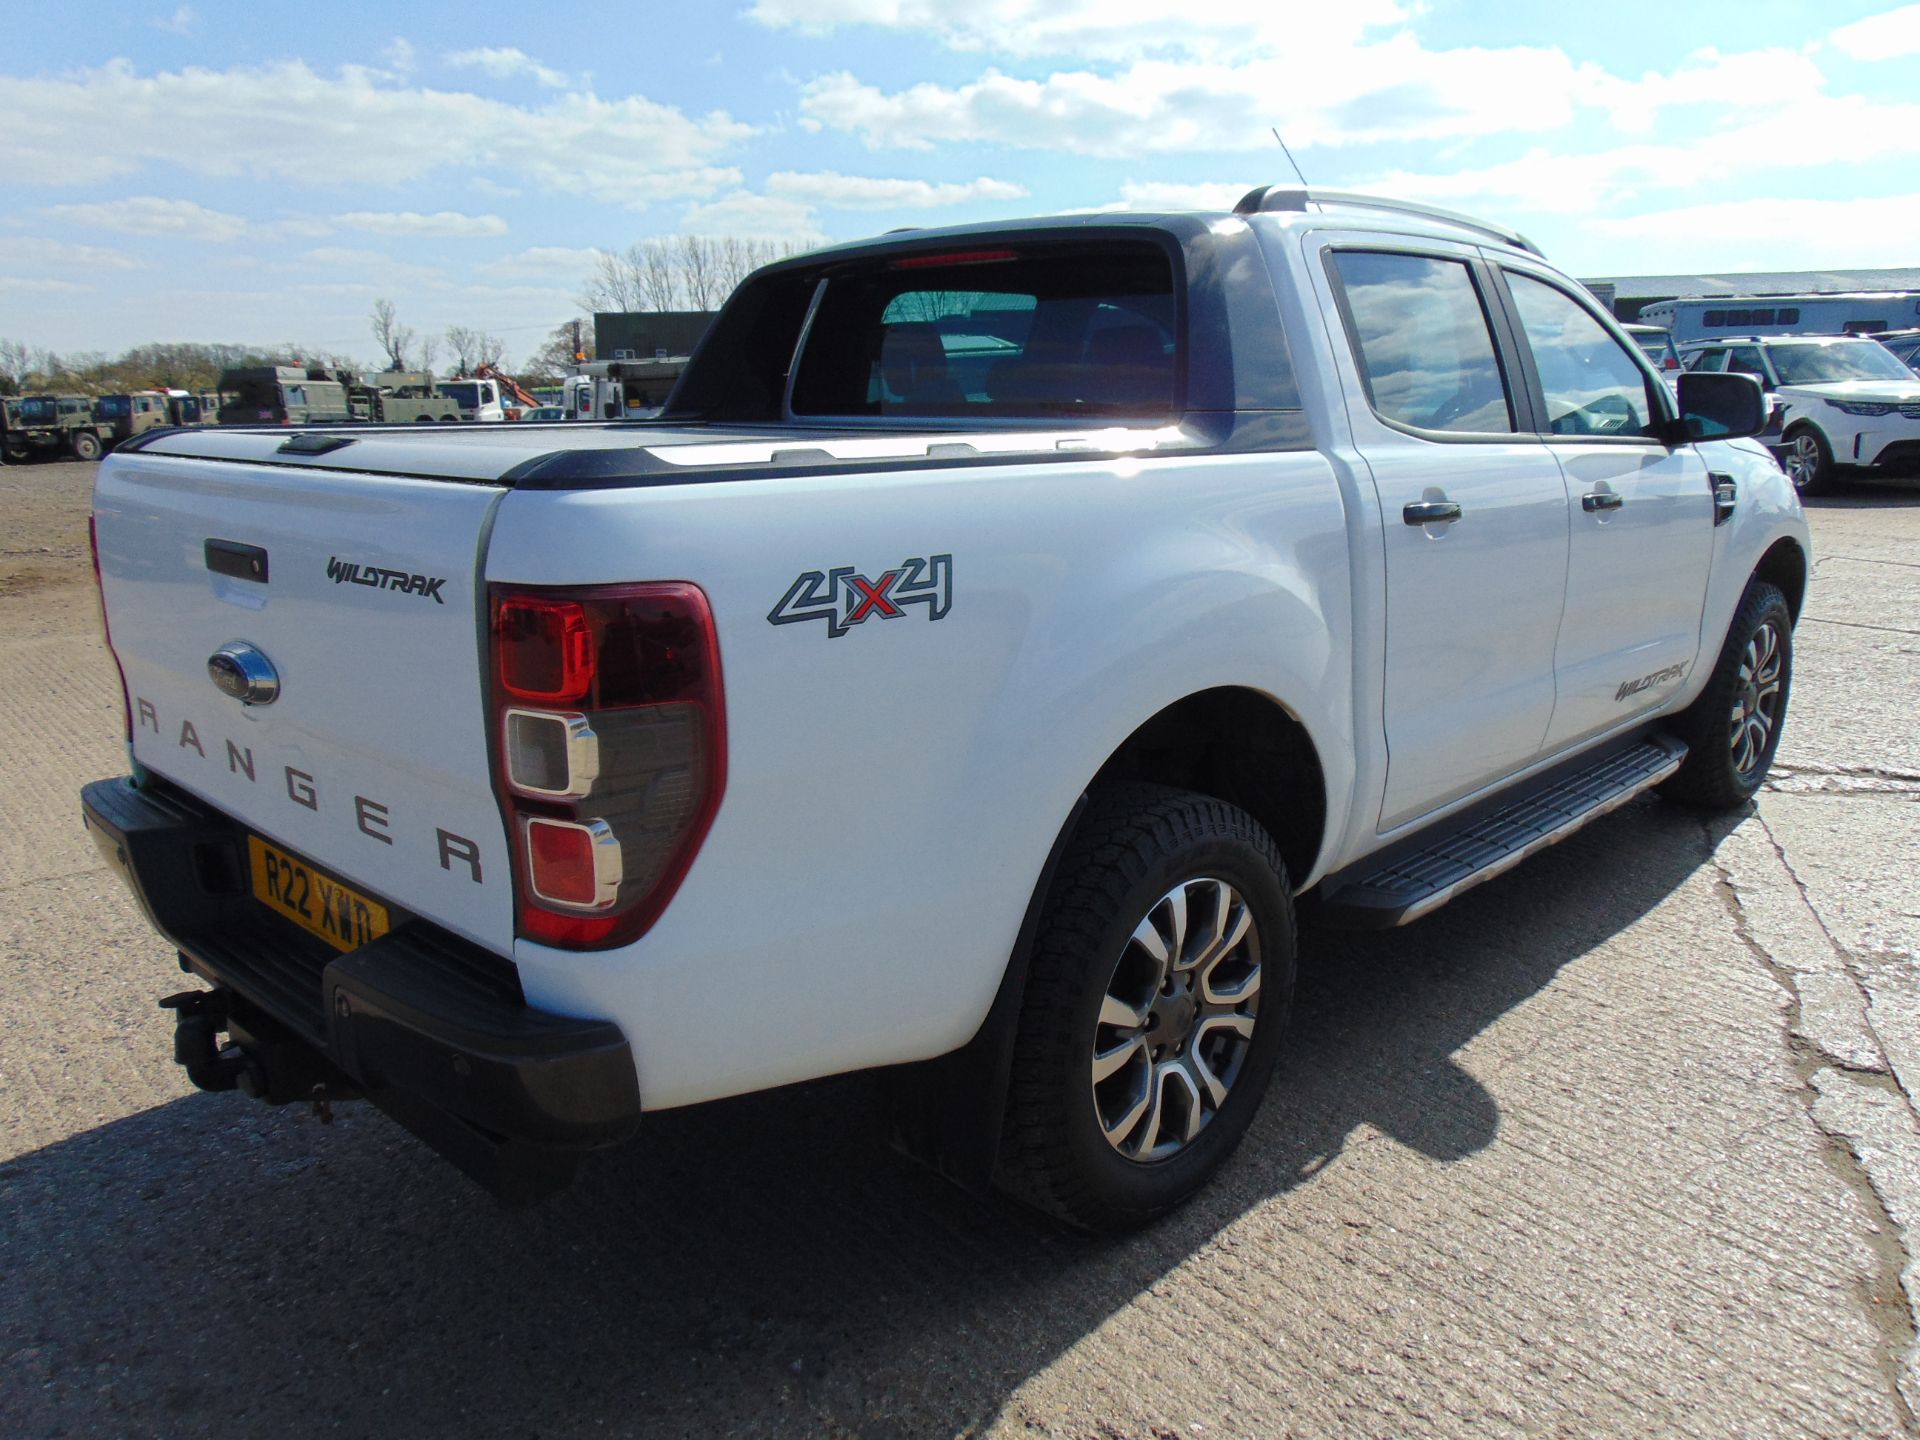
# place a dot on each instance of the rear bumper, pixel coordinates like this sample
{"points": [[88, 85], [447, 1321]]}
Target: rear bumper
{"points": [[431, 1027]]}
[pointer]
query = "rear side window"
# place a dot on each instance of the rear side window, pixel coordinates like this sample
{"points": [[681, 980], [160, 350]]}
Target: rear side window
{"points": [[1426, 350], [996, 334]]}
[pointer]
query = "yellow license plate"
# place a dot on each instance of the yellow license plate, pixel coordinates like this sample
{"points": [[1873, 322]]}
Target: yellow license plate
{"points": [[313, 899]]}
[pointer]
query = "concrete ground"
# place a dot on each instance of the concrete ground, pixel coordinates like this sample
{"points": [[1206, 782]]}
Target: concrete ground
{"points": [[1622, 1143]]}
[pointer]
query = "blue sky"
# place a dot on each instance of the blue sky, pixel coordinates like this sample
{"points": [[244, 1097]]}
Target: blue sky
{"points": [[262, 172]]}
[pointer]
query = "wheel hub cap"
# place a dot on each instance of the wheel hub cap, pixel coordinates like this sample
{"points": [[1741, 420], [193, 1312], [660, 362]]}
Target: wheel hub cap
{"points": [[1176, 1020], [1170, 1022]]}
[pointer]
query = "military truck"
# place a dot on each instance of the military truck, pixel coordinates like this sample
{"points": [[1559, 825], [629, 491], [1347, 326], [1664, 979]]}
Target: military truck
{"points": [[132, 414], [402, 395], [284, 395], [309, 395], [40, 425]]}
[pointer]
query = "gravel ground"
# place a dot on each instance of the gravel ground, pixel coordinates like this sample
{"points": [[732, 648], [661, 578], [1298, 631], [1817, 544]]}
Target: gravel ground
{"points": [[1623, 1142]]}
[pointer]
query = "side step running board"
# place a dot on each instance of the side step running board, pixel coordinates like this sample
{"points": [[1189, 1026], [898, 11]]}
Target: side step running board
{"points": [[1408, 881]]}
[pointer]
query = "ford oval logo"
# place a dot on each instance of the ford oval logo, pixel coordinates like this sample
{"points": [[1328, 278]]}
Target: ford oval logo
{"points": [[240, 670]]}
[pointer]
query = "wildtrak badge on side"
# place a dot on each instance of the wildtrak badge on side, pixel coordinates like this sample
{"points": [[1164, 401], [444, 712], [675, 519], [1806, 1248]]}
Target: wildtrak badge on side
{"points": [[1629, 688]]}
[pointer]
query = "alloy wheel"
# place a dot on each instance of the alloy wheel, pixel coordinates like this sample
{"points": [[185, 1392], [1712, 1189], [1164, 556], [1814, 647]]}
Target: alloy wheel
{"points": [[1756, 699], [1176, 1020], [1803, 461]]}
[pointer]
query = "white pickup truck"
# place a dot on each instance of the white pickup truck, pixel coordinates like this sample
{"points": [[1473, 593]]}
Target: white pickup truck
{"points": [[1002, 630]]}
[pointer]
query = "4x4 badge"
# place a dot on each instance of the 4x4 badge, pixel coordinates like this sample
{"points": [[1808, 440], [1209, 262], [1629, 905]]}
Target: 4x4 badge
{"points": [[844, 599]]}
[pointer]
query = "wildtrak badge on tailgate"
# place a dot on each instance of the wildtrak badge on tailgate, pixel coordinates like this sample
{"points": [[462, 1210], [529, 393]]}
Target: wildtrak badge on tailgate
{"points": [[844, 599], [349, 572]]}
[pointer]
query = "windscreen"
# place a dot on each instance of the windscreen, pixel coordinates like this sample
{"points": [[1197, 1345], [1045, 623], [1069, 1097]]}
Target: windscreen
{"points": [[39, 411], [112, 407], [1049, 333], [466, 396], [1823, 364], [257, 393]]}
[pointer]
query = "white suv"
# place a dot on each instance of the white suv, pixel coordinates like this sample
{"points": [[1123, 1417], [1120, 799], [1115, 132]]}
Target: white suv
{"points": [[1843, 400]]}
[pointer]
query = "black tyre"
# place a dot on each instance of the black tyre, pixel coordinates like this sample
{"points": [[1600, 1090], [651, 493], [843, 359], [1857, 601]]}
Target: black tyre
{"points": [[1161, 977], [1808, 461], [86, 445], [1733, 729]]}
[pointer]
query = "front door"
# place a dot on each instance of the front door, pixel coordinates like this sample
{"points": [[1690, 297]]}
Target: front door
{"points": [[1642, 517], [1474, 514]]}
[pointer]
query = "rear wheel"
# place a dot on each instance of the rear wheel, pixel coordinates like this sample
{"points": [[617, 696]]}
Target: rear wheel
{"points": [[1809, 461], [1161, 977], [1733, 729], [86, 445]]}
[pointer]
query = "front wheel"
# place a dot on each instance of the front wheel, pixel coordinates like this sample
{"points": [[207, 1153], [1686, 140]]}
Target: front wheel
{"points": [[1733, 729], [86, 445], [1161, 978], [1809, 461]]}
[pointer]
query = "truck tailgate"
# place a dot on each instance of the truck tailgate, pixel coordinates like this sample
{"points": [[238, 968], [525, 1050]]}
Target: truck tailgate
{"points": [[373, 759]]}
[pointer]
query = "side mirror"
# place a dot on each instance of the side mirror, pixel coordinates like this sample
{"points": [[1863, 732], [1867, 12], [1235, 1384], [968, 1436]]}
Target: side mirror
{"points": [[1716, 406]]}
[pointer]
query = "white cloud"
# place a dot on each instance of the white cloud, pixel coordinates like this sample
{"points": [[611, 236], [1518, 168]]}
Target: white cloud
{"points": [[22, 284], [153, 215], [505, 62], [182, 22], [399, 55], [411, 222], [1159, 195], [863, 192], [1886, 36], [1099, 29], [1767, 234], [372, 267], [1161, 107], [753, 216], [34, 252], [558, 265], [1792, 134], [1334, 85], [287, 122]]}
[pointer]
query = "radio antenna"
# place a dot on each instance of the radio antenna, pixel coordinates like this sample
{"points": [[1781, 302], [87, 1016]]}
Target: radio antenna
{"points": [[1289, 154]]}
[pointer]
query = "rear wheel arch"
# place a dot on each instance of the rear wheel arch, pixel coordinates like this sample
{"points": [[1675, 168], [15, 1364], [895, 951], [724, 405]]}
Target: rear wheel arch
{"points": [[1229, 743], [1240, 746]]}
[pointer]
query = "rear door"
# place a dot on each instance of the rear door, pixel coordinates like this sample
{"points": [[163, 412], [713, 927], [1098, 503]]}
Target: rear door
{"points": [[1474, 516], [360, 591], [1642, 512]]}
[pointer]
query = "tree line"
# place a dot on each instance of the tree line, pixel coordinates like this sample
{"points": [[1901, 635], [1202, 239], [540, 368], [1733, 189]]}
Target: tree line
{"points": [[676, 272]]}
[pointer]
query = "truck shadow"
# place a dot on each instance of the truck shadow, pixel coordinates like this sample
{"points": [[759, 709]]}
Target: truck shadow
{"points": [[763, 1266]]}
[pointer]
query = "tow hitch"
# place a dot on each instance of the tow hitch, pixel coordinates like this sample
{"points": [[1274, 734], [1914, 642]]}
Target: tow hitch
{"points": [[261, 1059]]}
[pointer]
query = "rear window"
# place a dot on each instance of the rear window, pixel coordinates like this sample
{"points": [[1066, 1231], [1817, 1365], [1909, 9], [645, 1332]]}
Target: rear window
{"points": [[998, 334]]}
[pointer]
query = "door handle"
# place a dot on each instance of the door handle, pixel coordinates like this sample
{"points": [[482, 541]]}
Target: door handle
{"points": [[1430, 512], [1601, 500]]}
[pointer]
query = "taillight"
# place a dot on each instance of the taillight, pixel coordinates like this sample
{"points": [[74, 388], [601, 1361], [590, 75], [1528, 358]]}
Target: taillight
{"points": [[610, 728], [106, 630]]}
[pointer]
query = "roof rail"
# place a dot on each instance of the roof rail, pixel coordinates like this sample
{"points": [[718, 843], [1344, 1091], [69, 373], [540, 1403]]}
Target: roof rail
{"points": [[1276, 197]]}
